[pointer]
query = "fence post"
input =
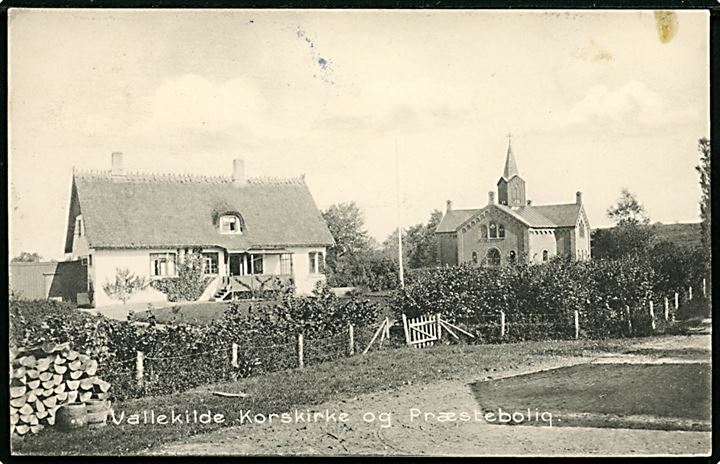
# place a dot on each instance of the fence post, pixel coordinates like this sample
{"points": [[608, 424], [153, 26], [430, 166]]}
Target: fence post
{"points": [[629, 320], [577, 324], [652, 316], [301, 354], [502, 324], [387, 329], [677, 301], [690, 293], [351, 340], [704, 289], [139, 368], [667, 309], [406, 327], [439, 327], [235, 355]]}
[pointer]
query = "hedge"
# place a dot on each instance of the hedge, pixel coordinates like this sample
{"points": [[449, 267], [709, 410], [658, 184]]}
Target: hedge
{"points": [[183, 356], [539, 301]]}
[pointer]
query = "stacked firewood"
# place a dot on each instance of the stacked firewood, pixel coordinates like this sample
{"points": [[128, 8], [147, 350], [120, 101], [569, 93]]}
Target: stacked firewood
{"points": [[47, 376]]}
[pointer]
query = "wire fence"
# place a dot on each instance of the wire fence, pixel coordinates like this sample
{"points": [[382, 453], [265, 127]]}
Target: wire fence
{"points": [[160, 373]]}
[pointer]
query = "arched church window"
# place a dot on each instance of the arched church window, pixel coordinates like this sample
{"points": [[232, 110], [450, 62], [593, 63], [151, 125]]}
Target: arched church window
{"points": [[474, 257], [546, 255], [493, 257], [582, 229], [483, 231], [512, 257], [501, 231], [493, 230]]}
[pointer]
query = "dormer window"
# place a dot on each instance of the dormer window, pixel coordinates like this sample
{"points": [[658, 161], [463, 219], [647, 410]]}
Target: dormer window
{"points": [[231, 224]]}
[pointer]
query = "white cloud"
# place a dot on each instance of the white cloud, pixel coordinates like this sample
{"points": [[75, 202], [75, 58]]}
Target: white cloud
{"points": [[632, 106], [196, 103]]}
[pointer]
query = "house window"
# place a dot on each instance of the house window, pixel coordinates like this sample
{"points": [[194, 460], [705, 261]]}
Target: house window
{"points": [[483, 231], [545, 255], [162, 264], [257, 264], [501, 231], [231, 224], [512, 257], [210, 263], [493, 257], [286, 264], [582, 229], [317, 263], [493, 230], [474, 257]]}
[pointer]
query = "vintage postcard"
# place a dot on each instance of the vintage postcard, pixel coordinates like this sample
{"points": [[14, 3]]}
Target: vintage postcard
{"points": [[359, 232]]}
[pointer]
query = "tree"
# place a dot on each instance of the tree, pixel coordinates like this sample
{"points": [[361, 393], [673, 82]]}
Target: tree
{"points": [[126, 283], [27, 257], [628, 210], [419, 244], [703, 170], [631, 235], [347, 261]]}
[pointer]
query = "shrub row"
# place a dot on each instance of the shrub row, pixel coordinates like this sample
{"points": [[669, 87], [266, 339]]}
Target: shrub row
{"points": [[183, 356], [540, 300]]}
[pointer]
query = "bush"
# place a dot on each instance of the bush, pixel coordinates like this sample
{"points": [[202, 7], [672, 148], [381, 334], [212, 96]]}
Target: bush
{"points": [[190, 282]]}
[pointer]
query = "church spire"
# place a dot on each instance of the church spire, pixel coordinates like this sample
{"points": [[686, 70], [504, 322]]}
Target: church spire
{"points": [[511, 187], [511, 168]]}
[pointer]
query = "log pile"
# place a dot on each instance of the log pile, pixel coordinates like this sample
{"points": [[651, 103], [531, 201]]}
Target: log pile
{"points": [[43, 378]]}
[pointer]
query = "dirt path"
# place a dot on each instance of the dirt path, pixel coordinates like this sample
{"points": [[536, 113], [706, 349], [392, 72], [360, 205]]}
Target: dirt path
{"points": [[408, 434]]}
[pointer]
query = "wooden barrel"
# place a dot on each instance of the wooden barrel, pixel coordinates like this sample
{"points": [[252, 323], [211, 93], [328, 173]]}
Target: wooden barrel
{"points": [[97, 412], [71, 416]]}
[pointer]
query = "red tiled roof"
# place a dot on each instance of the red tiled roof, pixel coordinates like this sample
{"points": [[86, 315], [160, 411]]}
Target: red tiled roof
{"points": [[141, 211]]}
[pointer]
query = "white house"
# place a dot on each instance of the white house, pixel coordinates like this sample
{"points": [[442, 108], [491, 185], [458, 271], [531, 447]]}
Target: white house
{"points": [[251, 232]]}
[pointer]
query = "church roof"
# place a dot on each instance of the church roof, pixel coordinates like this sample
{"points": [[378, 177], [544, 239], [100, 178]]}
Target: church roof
{"points": [[563, 215], [453, 219], [541, 216], [143, 211], [529, 215]]}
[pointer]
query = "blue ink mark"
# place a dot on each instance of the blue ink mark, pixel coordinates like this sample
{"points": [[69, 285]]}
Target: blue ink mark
{"points": [[324, 64]]}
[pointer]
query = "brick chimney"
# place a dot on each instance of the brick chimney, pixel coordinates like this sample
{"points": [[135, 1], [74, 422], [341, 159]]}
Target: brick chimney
{"points": [[117, 169], [578, 198], [448, 206], [491, 198], [239, 172]]}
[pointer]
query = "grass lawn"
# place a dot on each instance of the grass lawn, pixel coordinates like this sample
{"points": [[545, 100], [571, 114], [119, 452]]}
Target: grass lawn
{"points": [[205, 312], [665, 391], [297, 388]]}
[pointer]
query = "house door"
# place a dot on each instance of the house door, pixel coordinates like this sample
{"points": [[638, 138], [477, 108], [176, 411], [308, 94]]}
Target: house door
{"points": [[235, 264]]}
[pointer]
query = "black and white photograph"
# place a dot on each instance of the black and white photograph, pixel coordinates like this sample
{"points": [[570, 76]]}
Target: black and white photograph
{"points": [[359, 232]]}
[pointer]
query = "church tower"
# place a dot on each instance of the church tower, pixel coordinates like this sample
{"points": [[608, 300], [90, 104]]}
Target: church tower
{"points": [[511, 187]]}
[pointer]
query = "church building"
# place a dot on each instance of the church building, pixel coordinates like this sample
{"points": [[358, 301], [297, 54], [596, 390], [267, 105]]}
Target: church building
{"points": [[512, 229]]}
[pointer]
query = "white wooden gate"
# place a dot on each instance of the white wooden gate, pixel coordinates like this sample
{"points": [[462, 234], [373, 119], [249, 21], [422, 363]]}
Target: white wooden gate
{"points": [[426, 330], [422, 331]]}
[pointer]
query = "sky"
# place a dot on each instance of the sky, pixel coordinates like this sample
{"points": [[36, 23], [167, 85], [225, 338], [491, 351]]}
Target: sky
{"points": [[398, 111]]}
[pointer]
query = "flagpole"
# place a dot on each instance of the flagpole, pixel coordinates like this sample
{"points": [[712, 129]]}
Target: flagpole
{"points": [[399, 228]]}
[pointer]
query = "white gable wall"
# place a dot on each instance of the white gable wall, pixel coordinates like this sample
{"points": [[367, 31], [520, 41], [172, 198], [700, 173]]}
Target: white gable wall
{"points": [[105, 266], [539, 240], [304, 281]]}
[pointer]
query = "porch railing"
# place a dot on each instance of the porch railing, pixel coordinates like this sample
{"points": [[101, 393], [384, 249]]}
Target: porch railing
{"points": [[257, 282]]}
